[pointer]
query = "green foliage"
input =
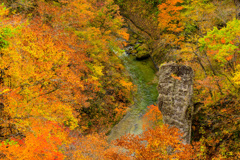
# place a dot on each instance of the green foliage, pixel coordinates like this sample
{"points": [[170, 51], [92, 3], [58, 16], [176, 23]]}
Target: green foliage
{"points": [[5, 33], [9, 142], [222, 45], [190, 28]]}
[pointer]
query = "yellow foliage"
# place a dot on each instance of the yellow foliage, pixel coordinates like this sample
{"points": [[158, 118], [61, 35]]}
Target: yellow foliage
{"points": [[128, 85]]}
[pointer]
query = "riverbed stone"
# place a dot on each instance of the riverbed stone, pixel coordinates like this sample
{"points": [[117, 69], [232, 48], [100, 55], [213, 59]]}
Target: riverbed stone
{"points": [[175, 90]]}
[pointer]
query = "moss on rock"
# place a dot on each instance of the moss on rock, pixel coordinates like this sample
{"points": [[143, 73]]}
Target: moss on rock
{"points": [[142, 55]]}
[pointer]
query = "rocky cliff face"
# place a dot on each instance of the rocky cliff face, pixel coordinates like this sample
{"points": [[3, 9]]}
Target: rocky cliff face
{"points": [[175, 97]]}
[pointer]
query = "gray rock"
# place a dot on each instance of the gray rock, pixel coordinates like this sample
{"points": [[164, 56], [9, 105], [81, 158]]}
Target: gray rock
{"points": [[175, 97]]}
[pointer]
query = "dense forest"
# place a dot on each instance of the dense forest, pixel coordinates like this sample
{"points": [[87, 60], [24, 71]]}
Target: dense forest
{"points": [[63, 86]]}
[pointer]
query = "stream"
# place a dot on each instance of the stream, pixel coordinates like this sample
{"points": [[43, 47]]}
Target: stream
{"points": [[143, 75]]}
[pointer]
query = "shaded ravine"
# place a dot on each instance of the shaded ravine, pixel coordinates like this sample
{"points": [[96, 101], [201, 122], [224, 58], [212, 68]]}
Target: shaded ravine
{"points": [[143, 74]]}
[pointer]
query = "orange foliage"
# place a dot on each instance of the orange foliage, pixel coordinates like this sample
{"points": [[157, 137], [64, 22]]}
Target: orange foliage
{"points": [[42, 142], [156, 143], [223, 40], [169, 15], [176, 77], [153, 117], [171, 22], [229, 57]]}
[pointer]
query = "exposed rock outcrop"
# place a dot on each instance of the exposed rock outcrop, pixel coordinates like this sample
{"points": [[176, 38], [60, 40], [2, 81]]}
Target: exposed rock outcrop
{"points": [[175, 97], [142, 55], [137, 47]]}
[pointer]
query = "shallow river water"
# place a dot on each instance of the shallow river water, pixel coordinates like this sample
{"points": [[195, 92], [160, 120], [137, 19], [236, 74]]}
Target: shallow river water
{"points": [[143, 74]]}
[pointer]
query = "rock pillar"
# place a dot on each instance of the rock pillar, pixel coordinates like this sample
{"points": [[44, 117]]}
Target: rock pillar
{"points": [[175, 89]]}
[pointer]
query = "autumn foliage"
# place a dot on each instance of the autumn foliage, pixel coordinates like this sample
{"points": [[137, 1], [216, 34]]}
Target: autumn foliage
{"points": [[205, 36], [62, 84], [41, 143], [58, 73], [158, 141], [208, 42], [161, 142]]}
